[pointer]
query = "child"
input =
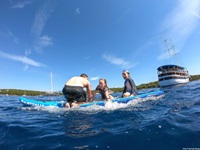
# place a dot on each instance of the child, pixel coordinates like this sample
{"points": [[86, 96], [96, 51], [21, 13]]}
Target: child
{"points": [[102, 88]]}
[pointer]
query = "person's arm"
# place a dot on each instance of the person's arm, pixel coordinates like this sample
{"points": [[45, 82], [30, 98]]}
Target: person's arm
{"points": [[89, 91], [124, 90], [107, 94], [135, 92], [94, 94], [133, 87]]}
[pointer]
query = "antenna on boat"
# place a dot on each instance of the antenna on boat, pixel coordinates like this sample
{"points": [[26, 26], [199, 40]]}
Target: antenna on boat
{"points": [[168, 49]]}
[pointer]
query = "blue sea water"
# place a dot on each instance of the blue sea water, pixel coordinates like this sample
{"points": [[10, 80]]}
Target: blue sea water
{"points": [[171, 122]]}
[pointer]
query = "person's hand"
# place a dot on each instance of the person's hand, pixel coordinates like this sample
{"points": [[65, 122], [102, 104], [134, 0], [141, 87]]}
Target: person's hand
{"points": [[108, 100]]}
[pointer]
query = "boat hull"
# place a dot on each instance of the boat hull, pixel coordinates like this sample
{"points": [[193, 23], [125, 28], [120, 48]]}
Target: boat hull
{"points": [[173, 81]]}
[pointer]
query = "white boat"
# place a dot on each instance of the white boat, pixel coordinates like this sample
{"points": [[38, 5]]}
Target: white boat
{"points": [[172, 74]]}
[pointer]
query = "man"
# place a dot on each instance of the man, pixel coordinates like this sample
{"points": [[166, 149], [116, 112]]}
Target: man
{"points": [[129, 85], [74, 92]]}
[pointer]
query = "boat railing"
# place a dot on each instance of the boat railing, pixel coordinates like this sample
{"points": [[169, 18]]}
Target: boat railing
{"points": [[164, 73]]}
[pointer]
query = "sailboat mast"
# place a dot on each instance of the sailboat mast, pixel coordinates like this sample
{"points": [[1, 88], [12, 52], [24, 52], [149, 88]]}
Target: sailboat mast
{"points": [[51, 76], [177, 60], [168, 49]]}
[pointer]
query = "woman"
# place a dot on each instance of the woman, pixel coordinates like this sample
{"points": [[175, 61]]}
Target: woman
{"points": [[102, 88], [129, 85]]}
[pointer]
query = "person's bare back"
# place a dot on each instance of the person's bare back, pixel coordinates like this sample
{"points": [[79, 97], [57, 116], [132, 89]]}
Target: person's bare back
{"points": [[77, 81]]}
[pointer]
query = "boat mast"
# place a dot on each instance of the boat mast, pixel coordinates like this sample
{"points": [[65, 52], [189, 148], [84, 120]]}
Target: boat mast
{"points": [[168, 49], [51, 76], [176, 56]]}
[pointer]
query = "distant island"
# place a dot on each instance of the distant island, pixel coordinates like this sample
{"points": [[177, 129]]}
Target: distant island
{"points": [[19, 92]]}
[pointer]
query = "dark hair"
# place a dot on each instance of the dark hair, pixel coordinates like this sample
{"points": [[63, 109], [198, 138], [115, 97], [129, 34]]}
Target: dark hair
{"points": [[84, 75], [104, 81], [126, 71]]}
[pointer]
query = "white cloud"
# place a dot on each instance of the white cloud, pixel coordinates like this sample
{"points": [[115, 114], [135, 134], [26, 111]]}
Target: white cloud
{"points": [[42, 42], [39, 23], [118, 61], [26, 67], [40, 20], [8, 34], [27, 52], [183, 20], [94, 78], [21, 4], [77, 11], [22, 59], [45, 41]]}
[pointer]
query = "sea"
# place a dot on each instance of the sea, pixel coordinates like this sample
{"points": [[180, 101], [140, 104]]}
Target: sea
{"points": [[168, 122]]}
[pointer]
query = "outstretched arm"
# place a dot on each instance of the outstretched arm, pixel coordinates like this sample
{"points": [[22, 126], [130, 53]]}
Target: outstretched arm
{"points": [[107, 95], [94, 94], [89, 91]]}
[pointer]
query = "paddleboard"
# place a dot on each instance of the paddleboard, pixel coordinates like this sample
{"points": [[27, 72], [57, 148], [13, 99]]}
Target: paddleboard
{"points": [[61, 104]]}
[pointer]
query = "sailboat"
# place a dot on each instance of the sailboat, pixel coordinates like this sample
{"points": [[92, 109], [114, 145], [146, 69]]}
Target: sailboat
{"points": [[51, 92], [172, 74], [51, 81]]}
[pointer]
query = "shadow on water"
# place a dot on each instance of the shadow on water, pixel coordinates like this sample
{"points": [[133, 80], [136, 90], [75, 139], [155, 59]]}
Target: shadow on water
{"points": [[79, 125]]}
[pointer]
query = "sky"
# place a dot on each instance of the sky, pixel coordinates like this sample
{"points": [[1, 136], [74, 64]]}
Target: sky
{"points": [[98, 37]]}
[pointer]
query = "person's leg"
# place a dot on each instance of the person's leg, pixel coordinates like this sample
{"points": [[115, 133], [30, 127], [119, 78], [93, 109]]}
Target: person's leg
{"points": [[67, 105], [111, 97], [126, 94], [76, 103], [79, 96], [66, 92], [80, 99]]}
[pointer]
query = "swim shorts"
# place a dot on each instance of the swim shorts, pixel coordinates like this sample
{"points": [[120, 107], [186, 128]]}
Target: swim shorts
{"points": [[74, 93]]}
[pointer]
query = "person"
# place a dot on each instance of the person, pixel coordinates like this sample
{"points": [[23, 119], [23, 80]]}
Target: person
{"points": [[74, 92], [102, 88], [129, 85]]}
